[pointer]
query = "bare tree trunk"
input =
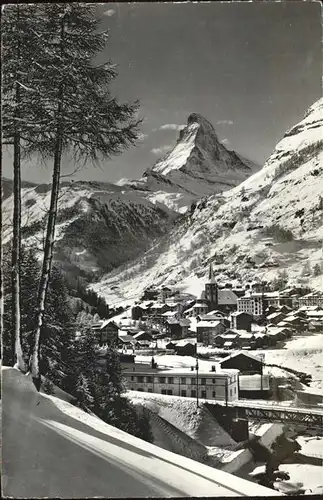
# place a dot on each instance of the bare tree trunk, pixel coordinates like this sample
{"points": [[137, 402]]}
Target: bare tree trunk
{"points": [[50, 233], [1, 256], [16, 237], [15, 257], [47, 264]]}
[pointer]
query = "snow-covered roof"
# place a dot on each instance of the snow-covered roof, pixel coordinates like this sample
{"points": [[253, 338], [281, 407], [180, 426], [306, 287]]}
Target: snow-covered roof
{"points": [[215, 312], [283, 324], [275, 315], [208, 324], [200, 304], [103, 324], [139, 334], [126, 338], [184, 342], [238, 313], [246, 335], [208, 318], [202, 370], [158, 305], [227, 297], [169, 313]]}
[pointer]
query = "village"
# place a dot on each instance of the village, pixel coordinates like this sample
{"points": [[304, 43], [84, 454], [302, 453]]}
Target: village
{"points": [[225, 326]]}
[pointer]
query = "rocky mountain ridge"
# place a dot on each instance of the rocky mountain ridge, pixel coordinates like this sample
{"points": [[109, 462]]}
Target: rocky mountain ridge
{"points": [[271, 222], [198, 165]]}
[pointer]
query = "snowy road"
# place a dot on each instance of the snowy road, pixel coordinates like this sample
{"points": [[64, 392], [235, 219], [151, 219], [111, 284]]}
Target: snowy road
{"points": [[48, 453]]}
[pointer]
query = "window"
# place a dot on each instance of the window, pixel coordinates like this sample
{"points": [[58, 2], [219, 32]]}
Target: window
{"points": [[213, 380], [163, 391], [169, 392], [170, 380], [150, 390], [193, 381], [203, 394], [203, 381], [193, 394], [213, 394], [131, 377], [183, 380], [162, 380], [230, 392], [140, 379], [183, 394], [149, 380], [140, 389]]}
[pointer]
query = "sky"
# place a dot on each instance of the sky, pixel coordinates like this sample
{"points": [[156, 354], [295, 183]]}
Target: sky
{"points": [[251, 68]]}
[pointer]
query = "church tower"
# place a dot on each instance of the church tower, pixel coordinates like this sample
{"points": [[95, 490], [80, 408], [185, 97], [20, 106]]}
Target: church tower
{"points": [[211, 290]]}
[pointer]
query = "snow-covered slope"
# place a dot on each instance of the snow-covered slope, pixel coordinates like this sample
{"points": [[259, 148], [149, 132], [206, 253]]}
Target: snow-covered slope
{"points": [[103, 225], [99, 225], [67, 453], [272, 221], [198, 165]]}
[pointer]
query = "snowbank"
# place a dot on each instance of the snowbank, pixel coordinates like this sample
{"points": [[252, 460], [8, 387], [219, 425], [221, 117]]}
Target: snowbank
{"points": [[182, 413], [312, 446], [309, 477], [194, 478]]}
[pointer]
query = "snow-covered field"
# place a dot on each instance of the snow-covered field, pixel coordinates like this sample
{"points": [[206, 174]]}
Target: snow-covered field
{"points": [[312, 446], [304, 354], [309, 477]]}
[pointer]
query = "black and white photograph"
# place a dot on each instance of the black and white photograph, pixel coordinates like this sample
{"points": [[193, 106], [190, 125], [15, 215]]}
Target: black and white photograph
{"points": [[161, 255]]}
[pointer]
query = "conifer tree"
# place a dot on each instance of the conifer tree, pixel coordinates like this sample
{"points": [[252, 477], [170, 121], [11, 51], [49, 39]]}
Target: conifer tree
{"points": [[83, 392], [78, 113], [317, 270], [19, 48]]}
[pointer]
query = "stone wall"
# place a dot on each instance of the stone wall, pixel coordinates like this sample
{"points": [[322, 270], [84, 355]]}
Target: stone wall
{"points": [[167, 436]]}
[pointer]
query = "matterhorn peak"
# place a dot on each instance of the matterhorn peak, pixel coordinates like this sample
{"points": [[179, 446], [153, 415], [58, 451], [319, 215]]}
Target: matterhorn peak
{"points": [[199, 162], [197, 118]]}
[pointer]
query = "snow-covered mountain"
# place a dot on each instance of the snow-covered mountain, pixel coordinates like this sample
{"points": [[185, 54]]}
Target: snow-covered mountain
{"points": [[99, 225], [103, 225], [199, 165], [270, 222]]}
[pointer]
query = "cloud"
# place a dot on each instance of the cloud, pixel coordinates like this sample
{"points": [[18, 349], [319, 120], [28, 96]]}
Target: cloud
{"points": [[224, 122], [172, 126], [109, 12], [226, 142], [142, 137], [162, 149]]}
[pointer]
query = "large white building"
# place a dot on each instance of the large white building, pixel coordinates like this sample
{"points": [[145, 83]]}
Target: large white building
{"points": [[252, 304], [218, 385]]}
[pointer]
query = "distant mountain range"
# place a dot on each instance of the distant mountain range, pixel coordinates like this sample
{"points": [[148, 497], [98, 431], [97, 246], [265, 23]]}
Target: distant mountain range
{"points": [[103, 225]]}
